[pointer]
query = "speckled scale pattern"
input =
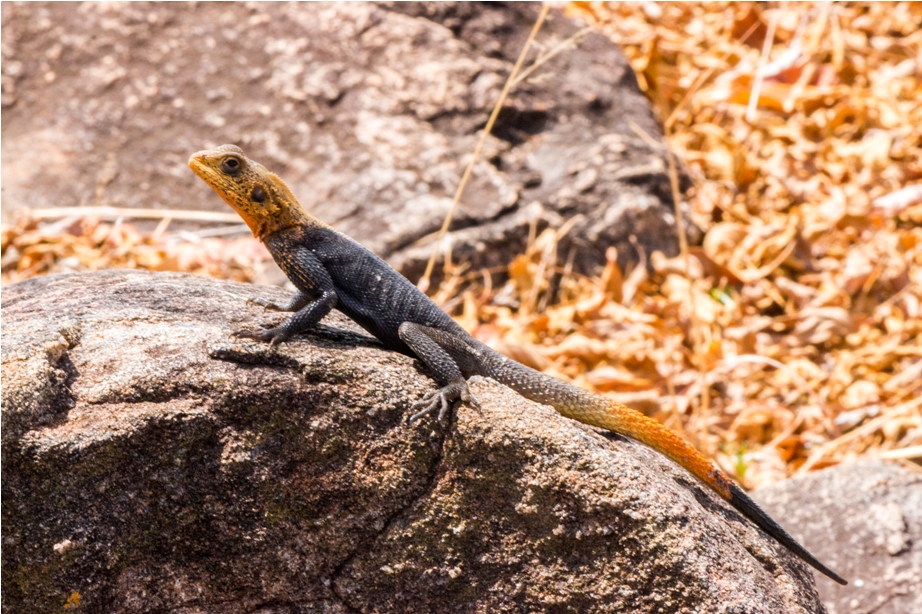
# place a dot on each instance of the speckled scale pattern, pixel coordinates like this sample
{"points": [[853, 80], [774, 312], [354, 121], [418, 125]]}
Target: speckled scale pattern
{"points": [[317, 258]]}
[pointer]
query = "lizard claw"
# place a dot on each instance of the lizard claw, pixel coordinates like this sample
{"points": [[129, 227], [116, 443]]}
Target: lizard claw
{"points": [[443, 399], [429, 403], [473, 402], [273, 335], [265, 304]]}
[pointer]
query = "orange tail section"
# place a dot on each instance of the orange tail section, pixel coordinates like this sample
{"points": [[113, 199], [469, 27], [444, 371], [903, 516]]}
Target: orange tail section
{"points": [[626, 421]]}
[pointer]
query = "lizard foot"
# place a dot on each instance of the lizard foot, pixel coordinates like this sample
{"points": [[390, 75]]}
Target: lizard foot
{"points": [[443, 399], [272, 335], [266, 304]]}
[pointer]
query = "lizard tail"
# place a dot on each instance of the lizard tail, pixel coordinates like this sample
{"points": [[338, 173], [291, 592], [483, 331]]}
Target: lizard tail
{"points": [[594, 410]]}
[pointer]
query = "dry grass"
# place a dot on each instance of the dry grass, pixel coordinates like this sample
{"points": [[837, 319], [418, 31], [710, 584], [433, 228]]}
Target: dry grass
{"points": [[792, 338]]}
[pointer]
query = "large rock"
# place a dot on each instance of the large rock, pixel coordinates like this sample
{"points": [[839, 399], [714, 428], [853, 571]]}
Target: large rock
{"points": [[152, 464], [370, 112], [864, 519]]}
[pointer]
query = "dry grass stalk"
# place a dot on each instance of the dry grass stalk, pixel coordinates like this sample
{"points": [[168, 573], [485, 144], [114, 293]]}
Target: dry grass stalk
{"points": [[510, 82]]}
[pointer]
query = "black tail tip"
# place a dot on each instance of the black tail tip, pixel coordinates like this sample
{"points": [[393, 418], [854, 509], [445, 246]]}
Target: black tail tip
{"points": [[835, 577], [741, 501]]}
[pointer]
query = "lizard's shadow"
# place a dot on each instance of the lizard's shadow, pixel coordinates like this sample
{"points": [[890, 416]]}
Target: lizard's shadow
{"points": [[342, 336], [320, 336]]}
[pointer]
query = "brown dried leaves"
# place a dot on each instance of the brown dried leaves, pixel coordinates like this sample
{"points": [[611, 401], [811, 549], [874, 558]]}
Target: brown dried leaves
{"points": [[793, 337], [32, 248]]}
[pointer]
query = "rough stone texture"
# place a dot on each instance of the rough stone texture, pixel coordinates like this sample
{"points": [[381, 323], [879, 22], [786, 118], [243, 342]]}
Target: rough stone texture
{"points": [[863, 519], [370, 112], [151, 464]]}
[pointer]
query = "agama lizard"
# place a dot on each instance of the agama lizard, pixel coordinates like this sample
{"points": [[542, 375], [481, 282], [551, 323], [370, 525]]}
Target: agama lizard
{"points": [[331, 271]]}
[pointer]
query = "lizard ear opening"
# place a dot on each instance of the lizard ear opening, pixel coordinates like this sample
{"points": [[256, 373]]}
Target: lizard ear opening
{"points": [[258, 194]]}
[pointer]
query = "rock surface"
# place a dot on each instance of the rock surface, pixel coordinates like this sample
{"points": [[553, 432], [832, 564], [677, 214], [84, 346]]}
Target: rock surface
{"points": [[152, 464], [864, 519], [370, 113]]}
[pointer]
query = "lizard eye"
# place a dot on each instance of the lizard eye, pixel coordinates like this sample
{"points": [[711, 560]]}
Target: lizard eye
{"points": [[258, 194], [231, 165]]}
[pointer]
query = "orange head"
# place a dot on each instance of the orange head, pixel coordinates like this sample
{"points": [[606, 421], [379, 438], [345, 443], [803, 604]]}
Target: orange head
{"points": [[261, 198]]}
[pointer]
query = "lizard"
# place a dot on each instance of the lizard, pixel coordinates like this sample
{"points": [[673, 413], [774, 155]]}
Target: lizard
{"points": [[332, 271]]}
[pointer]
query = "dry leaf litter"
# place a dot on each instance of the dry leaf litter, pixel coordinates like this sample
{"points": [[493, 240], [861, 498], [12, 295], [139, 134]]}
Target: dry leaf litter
{"points": [[32, 246], [791, 338]]}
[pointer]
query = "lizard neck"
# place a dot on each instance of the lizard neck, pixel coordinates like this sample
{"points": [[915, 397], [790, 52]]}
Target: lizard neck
{"points": [[279, 211]]}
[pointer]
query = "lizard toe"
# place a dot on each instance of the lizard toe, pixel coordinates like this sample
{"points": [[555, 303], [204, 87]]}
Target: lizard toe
{"points": [[467, 397], [272, 335], [446, 408], [245, 333], [426, 405], [443, 400], [266, 304], [425, 401]]}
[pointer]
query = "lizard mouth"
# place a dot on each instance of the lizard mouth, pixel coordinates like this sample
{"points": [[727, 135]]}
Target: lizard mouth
{"points": [[198, 166], [202, 165]]}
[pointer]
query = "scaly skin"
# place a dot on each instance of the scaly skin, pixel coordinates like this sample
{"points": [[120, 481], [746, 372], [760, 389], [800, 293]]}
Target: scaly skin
{"points": [[331, 271]]}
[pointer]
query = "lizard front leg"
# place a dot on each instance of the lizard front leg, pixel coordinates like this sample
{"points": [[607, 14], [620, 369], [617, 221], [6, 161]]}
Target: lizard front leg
{"points": [[315, 297], [306, 318], [454, 387]]}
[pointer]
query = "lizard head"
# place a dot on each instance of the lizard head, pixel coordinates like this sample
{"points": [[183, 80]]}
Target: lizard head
{"points": [[259, 197]]}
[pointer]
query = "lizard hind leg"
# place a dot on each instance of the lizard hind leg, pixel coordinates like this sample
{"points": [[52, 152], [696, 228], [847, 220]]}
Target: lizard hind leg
{"points": [[444, 368]]}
